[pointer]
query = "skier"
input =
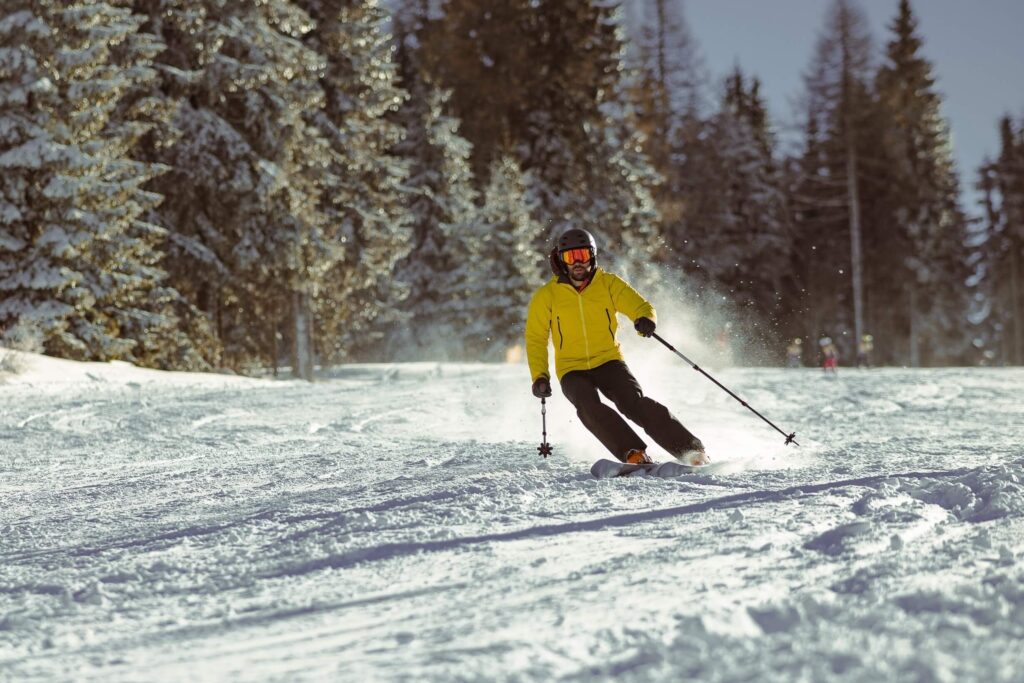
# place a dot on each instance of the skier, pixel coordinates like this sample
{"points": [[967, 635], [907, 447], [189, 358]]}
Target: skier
{"points": [[864, 349], [829, 355], [794, 352], [578, 308]]}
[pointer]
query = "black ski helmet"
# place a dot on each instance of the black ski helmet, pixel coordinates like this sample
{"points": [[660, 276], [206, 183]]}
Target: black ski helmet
{"points": [[576, 238], [573, 238]]}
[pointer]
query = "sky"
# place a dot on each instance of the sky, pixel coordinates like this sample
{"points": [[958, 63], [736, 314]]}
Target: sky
{"points": [[975, 47]]}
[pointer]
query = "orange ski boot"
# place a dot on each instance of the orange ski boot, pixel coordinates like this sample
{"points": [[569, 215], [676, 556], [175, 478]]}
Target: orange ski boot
{"points": [[637, 457]]}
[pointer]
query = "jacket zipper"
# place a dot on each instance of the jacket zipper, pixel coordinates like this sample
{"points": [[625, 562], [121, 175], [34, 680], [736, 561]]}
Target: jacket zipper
{"points": [[609, 316], [583, 326], [561, 338]]}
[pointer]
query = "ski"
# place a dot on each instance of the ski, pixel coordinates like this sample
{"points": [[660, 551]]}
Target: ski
{"points": [[607, 469]]}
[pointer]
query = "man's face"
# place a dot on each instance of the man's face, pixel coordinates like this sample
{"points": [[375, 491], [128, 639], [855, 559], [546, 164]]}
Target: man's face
{"points": [[579, 263]]}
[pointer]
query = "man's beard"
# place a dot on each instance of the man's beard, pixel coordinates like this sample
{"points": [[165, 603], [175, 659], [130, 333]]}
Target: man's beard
{"points": [[583, 276]]}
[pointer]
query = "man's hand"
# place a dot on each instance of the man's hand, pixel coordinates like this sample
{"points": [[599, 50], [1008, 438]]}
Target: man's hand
{"points": [[542, 387], [644, 327]]}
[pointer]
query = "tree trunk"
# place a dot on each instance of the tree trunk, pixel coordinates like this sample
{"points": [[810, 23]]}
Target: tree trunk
{"points": [[856, 258], [1015, 308], [224, 358], [273, 335], [663, 89], [303, 349], [915, 347]]}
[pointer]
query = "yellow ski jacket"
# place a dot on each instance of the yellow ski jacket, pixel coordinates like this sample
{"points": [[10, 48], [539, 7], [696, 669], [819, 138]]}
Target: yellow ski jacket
{"points": [[582, 324]]}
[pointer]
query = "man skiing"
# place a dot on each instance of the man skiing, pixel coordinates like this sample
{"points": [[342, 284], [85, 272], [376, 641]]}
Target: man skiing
{"points": [[578, 307]]}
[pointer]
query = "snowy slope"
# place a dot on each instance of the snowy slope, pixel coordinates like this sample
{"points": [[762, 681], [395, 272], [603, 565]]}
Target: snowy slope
{"points": [[395, 523]]}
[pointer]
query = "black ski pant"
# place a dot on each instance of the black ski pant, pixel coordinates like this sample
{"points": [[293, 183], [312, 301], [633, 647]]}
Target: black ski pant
{"points": [[615, 381]]}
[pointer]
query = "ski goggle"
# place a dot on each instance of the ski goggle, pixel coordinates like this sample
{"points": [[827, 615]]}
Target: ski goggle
{"points": [[571, 256]]}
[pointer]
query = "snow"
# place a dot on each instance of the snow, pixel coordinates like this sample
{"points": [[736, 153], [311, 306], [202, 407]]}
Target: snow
{"points": [[394, 522]]}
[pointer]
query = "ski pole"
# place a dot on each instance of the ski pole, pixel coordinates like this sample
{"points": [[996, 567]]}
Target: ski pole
{"points": [[544, 448], [790, 438]]}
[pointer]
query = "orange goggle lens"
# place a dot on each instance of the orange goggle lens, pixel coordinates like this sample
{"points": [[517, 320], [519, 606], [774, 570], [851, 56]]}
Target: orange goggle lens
{"points": [[571, 256]]}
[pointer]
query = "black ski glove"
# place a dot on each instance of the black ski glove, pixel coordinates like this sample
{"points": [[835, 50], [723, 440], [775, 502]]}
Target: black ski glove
{"points": [[542, 387], [644, 327]]}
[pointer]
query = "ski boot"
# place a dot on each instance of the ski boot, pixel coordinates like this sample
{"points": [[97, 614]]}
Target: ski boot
{"points": [[694, 457], [638, 457]]}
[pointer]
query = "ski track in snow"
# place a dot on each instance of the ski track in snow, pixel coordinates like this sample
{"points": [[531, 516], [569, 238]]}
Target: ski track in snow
{"points": [[394, 522]]}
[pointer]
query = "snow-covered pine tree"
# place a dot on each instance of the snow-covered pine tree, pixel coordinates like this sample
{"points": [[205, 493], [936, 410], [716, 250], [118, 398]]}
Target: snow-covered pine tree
{"points": [[37, 271], [661, 47], [742, 231], [1011, 285], [76, 260], [581, 143], [620, 177], [251, 242], [437, 269], [359, 299], [557, 120], [998, 255], [505, 263], [669, 91], [543, 78], [272, 84], [168, 330], [828, 201], [982, 316], [923, 201], [486, 54], [814, 209]]}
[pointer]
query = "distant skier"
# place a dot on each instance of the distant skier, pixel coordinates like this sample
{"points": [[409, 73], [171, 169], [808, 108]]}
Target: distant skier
{"points": [[864, 348], [723, 340], [829, 355], [794, 353], [577, 307]]}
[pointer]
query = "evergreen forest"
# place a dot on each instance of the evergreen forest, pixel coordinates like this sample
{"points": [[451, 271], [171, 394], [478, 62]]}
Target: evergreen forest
{"points": [[246, 186]]}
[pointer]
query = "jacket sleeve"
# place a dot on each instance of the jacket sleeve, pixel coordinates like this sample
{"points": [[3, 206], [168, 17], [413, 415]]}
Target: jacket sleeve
{"points": [[538, 331], [628, 301]]}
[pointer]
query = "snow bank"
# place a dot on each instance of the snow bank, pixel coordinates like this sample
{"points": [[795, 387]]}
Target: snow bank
{"points": [[36, 372]]}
